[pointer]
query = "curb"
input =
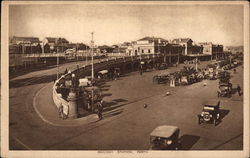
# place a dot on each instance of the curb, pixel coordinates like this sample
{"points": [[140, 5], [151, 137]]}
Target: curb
{"points": [[92, 117]]}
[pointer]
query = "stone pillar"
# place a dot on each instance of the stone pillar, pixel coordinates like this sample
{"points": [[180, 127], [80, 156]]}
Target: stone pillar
{"points": [[72, 99]]}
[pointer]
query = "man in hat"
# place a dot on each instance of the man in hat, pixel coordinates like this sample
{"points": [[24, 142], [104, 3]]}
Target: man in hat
{"points": [[239, 90]]}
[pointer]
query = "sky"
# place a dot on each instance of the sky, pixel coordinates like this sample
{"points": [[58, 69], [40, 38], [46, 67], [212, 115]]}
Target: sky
{"points": [[118, 23]]}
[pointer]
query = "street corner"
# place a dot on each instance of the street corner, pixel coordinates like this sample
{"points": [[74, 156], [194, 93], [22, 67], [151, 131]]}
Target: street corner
{"points": [[49, 113]]}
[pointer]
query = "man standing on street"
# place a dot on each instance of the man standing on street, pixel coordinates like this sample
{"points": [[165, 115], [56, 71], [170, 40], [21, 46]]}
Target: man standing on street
{"points": [[100, 109], [239, 90]]}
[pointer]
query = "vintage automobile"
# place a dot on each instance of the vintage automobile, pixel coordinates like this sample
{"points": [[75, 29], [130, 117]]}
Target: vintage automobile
{"points": [[165, 137], [162, 66], [212, 76], [117, 71], [102, 74], [184, 80], [162, 78], [87, 81], [210, 113], [225, 89]]}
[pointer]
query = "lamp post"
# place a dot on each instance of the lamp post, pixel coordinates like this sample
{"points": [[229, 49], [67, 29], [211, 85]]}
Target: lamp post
{"points": [[86, 56], [92, 45], [92, 52], [57, 63]]}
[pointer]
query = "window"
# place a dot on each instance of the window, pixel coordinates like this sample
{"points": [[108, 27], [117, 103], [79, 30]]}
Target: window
{"points": [[149, 51], [142, 51]]}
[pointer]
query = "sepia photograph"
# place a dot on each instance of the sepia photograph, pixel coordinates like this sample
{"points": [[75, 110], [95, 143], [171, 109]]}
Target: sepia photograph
{"points": [[134, 79]]}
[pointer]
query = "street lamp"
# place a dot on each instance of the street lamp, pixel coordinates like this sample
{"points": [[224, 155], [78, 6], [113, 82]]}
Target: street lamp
{"points": [[92, 45], [86, 55], [92, 52], [57, 63]]}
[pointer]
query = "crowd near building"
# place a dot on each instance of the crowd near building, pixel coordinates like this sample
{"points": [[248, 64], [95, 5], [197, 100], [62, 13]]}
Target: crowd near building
{"points": [[172, 50]]}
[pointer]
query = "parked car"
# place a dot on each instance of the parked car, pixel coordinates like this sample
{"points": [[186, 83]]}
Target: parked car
{"points": [[165, 138], [225, 89], [87, 81], [162, 78], [117, 71], [102, 74], [162, 66], [210, 113]]}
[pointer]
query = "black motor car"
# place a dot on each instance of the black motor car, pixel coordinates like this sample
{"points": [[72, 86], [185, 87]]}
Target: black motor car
{"points": [[210, 113]]}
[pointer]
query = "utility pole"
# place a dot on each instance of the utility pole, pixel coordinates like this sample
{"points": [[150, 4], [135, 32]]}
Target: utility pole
{"points": [[196, 66], [86, 55], [92, 50], [92, 46], [57, 63]]}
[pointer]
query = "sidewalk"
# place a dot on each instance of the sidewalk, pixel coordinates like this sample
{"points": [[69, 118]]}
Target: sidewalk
{"points": [[45, 108]]}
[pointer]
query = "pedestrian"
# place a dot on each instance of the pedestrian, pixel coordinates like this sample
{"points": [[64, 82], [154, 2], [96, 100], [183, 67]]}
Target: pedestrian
{"points": [[100, 109], [239, 90], [66, 71], [60, 111], [141, 70]]}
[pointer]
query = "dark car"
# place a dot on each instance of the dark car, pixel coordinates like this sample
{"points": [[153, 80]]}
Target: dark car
{"points": [[210, 113], [165, 138], [225, 89], [162, 66]]}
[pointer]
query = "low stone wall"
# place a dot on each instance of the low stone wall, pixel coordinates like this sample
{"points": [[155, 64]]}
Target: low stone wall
{"points": [[58, 100]]}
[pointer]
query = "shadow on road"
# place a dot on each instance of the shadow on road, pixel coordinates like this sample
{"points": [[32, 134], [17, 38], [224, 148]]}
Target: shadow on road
{"points": [[187, 141], [112, 113], [223, 113], [108, 106]]}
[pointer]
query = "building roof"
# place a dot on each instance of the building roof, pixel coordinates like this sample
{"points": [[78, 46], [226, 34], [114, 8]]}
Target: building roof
{"points": [[25, 39], [56, 40], [181, 40], [205, 43], [147, 38]]}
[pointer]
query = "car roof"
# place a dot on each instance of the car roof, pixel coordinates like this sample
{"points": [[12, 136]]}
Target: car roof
{"points": [[164, 131], [211, 103], [103, 71]]}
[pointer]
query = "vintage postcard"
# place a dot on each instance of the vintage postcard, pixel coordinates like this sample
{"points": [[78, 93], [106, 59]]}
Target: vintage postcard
{"points": [[125, 79]]}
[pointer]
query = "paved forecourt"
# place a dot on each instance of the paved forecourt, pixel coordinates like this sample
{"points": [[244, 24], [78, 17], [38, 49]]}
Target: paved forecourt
{"points": [[127, 124]]}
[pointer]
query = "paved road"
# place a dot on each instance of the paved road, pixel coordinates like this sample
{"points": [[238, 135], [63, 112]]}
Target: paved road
{"points": [[126, 124]]}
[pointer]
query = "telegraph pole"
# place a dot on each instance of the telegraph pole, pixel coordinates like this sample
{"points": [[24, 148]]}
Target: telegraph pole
{"points": [[92, 46], [57, 63], [92, 51], [196, 66], [86, 55]]}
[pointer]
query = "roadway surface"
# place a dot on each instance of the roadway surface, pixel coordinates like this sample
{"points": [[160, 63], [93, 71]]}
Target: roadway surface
{"points": [[127, 124]]}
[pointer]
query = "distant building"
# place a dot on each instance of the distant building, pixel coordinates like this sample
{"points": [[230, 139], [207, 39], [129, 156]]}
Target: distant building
{"points": [[212, 49], [186, 42], [55, 44], [106, 49], [234, 49], [148, 45], [24, 45], [24, 40]]}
